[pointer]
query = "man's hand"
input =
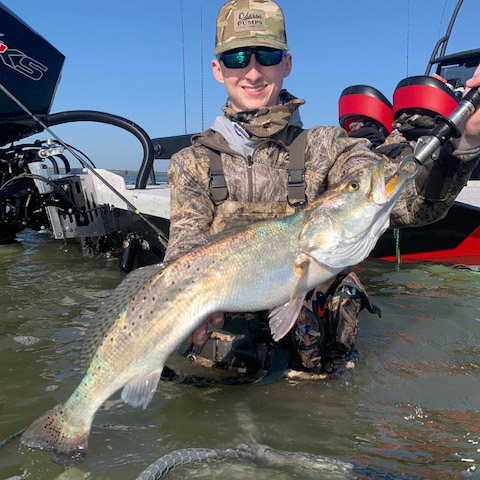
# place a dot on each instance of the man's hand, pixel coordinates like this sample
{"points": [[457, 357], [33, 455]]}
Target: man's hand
{"points": [[471, 135], [200, 336]]}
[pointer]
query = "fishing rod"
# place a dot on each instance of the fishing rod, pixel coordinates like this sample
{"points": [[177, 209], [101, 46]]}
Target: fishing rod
{"points": [[160, 235]]}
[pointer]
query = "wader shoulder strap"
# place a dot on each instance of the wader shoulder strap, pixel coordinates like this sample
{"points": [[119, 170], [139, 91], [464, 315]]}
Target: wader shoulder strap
{"points": [[218, 187], [296, 171]]}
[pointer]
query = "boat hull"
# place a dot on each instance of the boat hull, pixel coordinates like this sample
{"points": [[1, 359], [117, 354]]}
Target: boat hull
{"points": [[453, 240]]}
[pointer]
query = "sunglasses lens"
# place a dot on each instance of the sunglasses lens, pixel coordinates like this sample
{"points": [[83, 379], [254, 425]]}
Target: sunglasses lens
{"points": [[268, 56], [236, 58]]}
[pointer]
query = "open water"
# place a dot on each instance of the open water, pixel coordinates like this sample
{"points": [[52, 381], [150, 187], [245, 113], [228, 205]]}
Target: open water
{"points": [[411, 406]]}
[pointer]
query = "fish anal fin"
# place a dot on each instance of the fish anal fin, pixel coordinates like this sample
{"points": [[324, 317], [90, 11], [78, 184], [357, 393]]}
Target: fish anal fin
{"points": [[139, 392], [283, 317]]}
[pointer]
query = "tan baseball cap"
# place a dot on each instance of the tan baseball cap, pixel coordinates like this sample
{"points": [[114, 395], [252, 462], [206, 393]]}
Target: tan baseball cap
{"points": [[250, 23]]}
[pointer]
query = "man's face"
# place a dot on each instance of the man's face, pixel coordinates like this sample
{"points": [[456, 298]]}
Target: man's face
{"points": [[254, 86]]}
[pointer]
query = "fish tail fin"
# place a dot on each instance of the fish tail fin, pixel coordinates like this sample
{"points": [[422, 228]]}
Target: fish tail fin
{"points": [[51, 431]]}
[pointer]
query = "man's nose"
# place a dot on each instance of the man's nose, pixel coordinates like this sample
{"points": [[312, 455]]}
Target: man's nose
{"points": [[254, 69]]}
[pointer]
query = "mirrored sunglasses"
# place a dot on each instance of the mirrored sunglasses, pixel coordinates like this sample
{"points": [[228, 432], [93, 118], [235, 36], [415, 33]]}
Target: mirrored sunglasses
{"points": [[240, 57]]}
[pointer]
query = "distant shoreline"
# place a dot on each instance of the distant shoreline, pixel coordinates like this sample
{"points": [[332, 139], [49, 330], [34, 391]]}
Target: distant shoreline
{"points": [[120, 170], [129, 171]]}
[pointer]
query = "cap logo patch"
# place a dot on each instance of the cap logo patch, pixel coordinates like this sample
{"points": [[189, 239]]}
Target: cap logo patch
{"points": [[247, 19]]}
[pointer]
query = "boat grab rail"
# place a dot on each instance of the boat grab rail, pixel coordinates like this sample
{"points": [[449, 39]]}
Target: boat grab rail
{"points": [[146, 167]]}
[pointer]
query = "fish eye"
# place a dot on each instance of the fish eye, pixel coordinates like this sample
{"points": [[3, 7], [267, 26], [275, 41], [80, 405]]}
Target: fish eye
{"points": [[353, 186]]}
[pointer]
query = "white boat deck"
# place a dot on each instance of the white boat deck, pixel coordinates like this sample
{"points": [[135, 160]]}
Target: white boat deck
{"points": [[470, 194], [153, 200]]}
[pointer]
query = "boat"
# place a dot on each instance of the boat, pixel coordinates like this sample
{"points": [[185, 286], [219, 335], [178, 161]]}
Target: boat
{"points": [[454, 239], [40, 190]]}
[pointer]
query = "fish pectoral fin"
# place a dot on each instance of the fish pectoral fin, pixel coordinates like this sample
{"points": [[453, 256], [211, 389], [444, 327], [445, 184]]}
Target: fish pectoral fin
{"points": [[139, 392], [300, 268], [283, 317]]}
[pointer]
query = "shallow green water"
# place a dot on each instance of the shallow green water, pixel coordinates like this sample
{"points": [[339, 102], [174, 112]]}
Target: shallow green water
{"points": [[411, 406]]}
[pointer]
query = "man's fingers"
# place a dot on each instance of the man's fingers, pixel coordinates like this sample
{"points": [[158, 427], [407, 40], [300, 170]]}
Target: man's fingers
{"points": [[200, 335], [471, 135], [475, 80], [217, 319]]}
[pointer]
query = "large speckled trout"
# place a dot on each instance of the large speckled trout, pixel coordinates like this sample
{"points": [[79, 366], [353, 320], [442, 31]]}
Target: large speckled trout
{"points": [[267, 265]]}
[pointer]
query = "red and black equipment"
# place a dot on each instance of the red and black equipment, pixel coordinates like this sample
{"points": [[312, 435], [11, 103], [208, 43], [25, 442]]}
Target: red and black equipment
{"points": [[424, 95], [361, 101]]}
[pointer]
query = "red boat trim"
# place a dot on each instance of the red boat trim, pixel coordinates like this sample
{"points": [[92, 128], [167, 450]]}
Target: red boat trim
{"points": [[423, 97], [356, 105], [466, 253]]}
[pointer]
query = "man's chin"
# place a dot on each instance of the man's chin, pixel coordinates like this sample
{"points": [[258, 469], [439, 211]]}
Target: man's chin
{"points": [[251, 105]]}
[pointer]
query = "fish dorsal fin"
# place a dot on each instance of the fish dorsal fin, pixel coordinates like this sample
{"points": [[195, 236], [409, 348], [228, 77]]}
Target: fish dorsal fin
{"points": [[139, 392], [113, 307]]}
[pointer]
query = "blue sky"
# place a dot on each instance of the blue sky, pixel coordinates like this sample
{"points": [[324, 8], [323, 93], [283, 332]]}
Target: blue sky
{"points": [[125, 58]]}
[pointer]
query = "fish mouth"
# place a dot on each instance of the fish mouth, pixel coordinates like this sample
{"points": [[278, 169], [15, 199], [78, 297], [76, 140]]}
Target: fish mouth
{"points": [[395, 184], [377, 191], [380, 191]]}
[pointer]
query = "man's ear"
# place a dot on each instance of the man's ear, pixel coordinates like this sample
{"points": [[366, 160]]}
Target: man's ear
{"points": [[288, 65], [217, 71]]}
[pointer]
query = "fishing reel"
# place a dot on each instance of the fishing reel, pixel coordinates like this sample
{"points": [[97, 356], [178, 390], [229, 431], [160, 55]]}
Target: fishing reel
{"points": [[428, 147]]}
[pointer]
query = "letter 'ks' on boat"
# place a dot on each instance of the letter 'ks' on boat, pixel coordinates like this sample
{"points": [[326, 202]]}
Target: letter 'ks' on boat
{"points": [[268, 265]]}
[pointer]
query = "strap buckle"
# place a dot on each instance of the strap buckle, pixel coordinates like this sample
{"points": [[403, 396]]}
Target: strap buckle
{"points": [[296, 197], [218, 186]]}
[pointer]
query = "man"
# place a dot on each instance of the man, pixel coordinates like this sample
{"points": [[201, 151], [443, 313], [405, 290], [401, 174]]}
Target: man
{"points": [[255, 162]]}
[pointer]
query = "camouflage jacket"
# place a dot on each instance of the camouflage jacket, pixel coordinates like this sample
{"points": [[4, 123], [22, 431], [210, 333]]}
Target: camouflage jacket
{"points": [[261, 181]]}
